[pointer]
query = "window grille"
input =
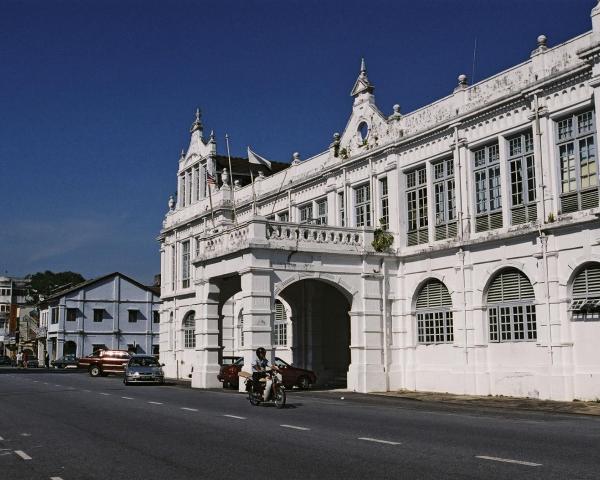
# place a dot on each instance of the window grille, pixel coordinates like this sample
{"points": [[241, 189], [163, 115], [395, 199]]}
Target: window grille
{"points": [[362, 206], [416, 204], [445, 200], [185, 264], [321, 212], [434, 314], [488, 197], [189, 330], [521, 163], [511, 308], [306, 213], [283, 216], [578, 162], [385, 204], [585, 303], [280, 325], [71, 314]]}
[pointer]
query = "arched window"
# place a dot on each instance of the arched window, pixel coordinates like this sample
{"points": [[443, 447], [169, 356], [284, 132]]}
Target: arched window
{"points": [[280, 326], [241, 329], [189, 330], [585, 303], [434, 314], [511, 307]]}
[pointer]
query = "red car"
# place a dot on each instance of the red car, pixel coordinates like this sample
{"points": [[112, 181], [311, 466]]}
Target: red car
{"points": [[292, 376]]}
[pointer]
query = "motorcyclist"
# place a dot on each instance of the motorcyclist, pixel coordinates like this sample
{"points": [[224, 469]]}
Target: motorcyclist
{"points": [[259, 368]]}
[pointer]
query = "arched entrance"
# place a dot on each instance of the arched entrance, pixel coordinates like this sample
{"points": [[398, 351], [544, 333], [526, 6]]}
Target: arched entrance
{"points": [[321, 329]]}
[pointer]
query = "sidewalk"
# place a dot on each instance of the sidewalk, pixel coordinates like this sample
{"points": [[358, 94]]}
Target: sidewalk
{"points": [[577, 407]]}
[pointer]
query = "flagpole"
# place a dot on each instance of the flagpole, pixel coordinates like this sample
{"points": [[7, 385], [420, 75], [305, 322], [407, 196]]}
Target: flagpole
{"points": [[279, 191], [231, 177]]}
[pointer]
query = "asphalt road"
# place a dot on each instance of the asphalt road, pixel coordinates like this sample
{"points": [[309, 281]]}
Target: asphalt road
{"points": [[67, 425]]}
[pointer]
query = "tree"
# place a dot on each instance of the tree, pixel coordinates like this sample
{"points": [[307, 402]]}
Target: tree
{"points": [[45, 283]]}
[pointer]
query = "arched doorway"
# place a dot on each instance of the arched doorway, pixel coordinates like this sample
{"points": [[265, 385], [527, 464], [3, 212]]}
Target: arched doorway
{"points": [[320, 329], [69, 348]]}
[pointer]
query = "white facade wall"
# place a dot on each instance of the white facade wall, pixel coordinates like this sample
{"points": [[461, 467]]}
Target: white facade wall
{"points": [[558, 362]]}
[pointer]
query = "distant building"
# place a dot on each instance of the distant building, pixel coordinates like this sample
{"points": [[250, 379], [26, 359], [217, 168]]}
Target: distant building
{"points": [[486, 280], [113, 311], [13, 295]]}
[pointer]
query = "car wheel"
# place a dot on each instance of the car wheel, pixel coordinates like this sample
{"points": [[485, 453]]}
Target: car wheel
{"points": [[304, 383], [95, 371]]}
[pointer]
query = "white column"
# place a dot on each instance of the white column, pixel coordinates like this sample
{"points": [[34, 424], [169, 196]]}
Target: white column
{"points": [[504, 181], [206, 364], [258, 305]]}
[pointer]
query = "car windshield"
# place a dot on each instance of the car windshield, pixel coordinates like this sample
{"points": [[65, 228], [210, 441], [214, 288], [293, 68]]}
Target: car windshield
{"points": [[144, 362], [239, 362], [230, 360]]}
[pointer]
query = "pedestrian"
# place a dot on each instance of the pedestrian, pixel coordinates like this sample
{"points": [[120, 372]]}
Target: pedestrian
{"points": [[47, 360], [19, 359], [25, 358]]}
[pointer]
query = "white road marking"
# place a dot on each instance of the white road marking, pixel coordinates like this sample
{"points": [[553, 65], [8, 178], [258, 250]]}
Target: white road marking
{"points": [[89, 391], [57, 385], [127, 398], [55, 478], [155, 403], [294, 427], [235, 416], [102, 393], [26, 434], [189, 409], [46, 383], [387, 442], [1, 438], [22, 454], [35, 381], [509, 460]]}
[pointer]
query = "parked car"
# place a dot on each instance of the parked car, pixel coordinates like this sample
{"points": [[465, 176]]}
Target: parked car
{"points": [[103, 362], [65, 362], [5, 360], [144, 369], [33, 362], [292, 376]]}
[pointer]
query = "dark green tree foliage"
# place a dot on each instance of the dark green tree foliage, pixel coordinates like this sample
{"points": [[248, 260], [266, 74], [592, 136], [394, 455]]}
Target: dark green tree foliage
{"points": [[45, 283]]}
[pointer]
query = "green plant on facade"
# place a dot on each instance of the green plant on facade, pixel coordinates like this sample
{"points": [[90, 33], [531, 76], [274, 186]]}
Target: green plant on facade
{"points": [[551, 218], [344, 153], [383, 239]]}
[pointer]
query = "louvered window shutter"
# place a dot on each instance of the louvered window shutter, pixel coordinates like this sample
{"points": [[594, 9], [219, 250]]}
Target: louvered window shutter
{"points": [[510, 286], [433, 294], [587, 283], [280, 315]]}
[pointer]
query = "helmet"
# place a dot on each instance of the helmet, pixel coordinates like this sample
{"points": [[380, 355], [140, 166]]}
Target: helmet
{"points": [[260, 350]]}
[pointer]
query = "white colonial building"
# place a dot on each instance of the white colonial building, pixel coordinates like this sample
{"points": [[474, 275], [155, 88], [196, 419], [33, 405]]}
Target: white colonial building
{"points": [[491, 285]]}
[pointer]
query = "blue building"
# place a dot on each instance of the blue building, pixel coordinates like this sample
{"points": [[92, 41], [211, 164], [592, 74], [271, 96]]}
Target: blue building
{"points": [[113, 311]]}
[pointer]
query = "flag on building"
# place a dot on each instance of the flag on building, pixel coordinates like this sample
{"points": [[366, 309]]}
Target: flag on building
{"points": [[257, 159], [210, 179]]}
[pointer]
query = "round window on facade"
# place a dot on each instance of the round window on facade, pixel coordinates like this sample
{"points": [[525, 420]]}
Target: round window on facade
{"points": [[363, 130]]}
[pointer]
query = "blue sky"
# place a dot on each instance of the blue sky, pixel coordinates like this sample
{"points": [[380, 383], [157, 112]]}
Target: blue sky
{"points": [[97, 97]]}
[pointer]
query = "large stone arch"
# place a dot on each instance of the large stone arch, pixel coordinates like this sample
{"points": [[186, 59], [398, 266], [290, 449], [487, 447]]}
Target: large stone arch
{"points": [[321, 324], [491, 274]]}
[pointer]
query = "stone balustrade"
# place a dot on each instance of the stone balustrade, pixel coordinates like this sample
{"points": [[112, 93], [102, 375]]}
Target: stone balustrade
{"points": [[260, 233]]}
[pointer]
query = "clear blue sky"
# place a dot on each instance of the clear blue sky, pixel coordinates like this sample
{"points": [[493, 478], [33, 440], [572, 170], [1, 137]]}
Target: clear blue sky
{"points": [[97, 98]]}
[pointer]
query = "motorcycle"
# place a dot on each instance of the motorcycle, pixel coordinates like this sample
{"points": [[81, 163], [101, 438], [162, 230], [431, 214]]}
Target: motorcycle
{"points": [[256, 389]]}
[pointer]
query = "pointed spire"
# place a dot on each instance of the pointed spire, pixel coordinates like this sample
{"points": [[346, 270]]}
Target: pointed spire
{"points": [[212, 136], [362, 84], [182, 156], [197, 125]]}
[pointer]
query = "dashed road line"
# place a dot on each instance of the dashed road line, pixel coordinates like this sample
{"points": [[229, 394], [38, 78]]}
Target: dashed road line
{"points": [[25, 434], [156, 403], [295, 427], [127, 398], [376, 440], [189, 409], [106, 394], [22, 454], [57, 385], [89, 391], [55, 478], [235, 416], [508, 460]]}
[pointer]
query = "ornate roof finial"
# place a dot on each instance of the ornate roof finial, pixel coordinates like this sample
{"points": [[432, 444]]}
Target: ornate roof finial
{"points": [[182, 155], [362, 84], [197, 125], [212, 136]]}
